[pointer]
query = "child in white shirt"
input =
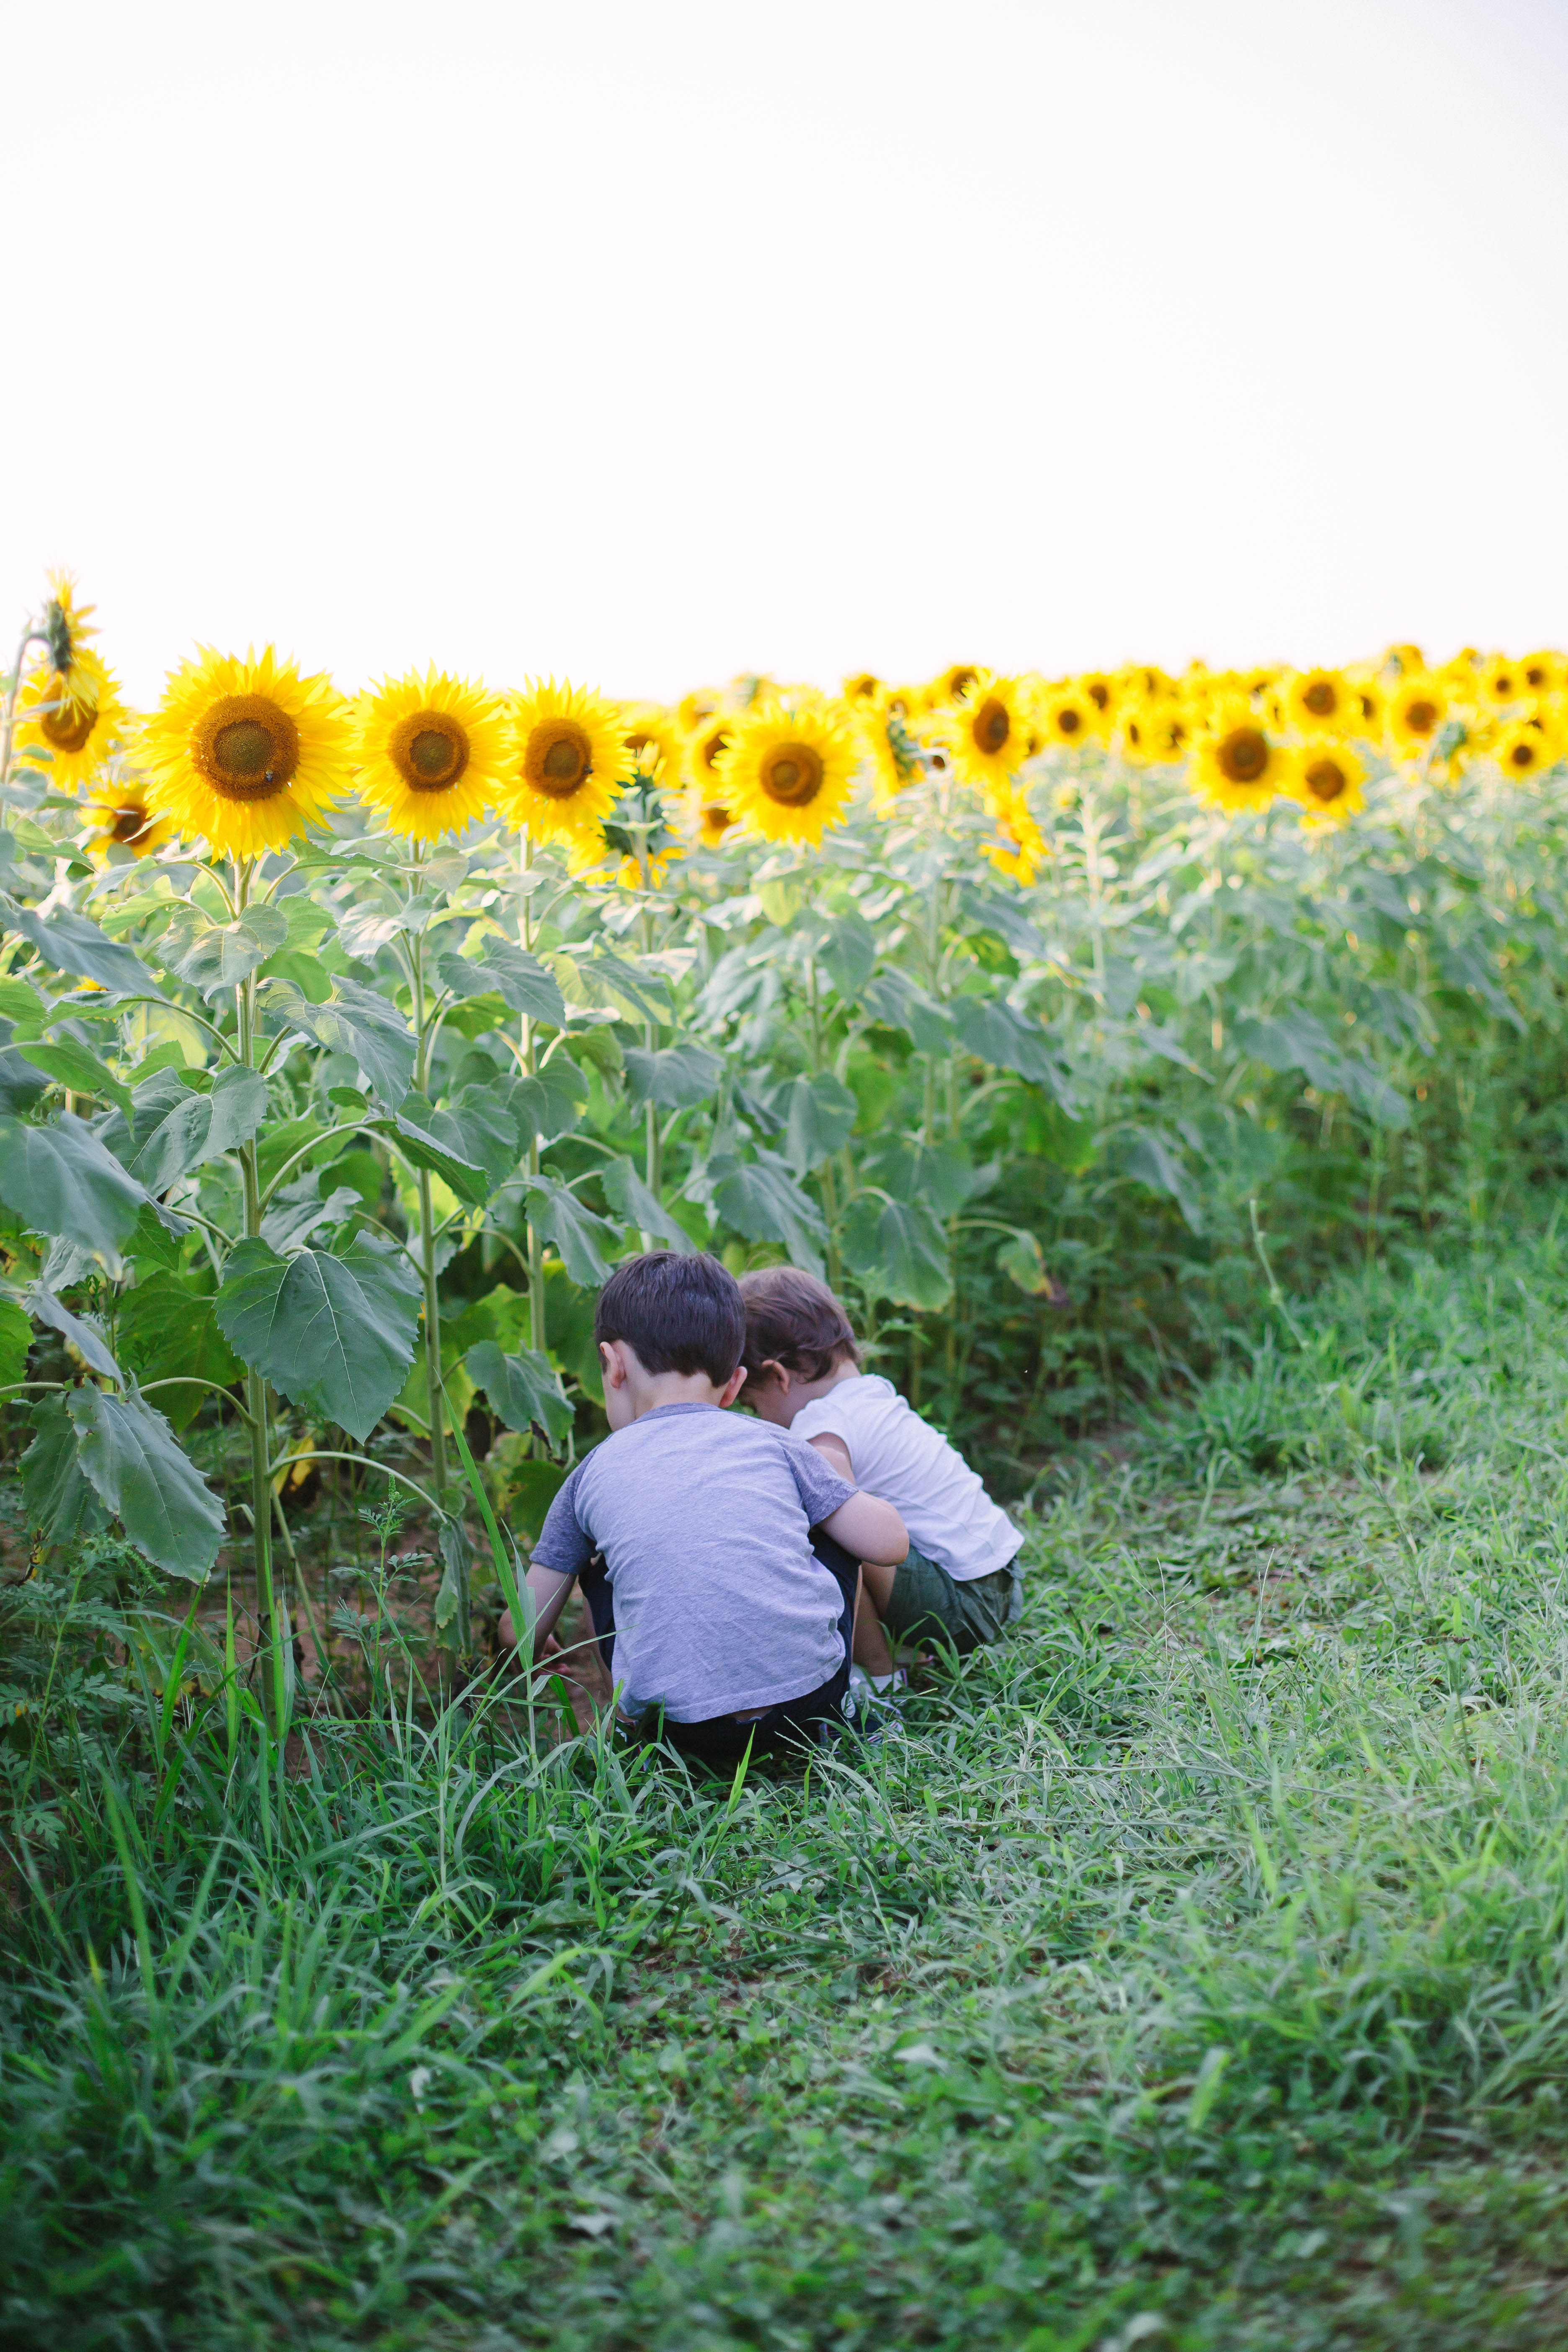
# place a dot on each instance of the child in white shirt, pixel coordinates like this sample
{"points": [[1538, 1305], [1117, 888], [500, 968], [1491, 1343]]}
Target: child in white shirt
{"points": [[958, 1583]]}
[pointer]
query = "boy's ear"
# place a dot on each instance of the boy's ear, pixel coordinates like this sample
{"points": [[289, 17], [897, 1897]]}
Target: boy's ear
{"points": [[612, 1362], [732, 1387]]}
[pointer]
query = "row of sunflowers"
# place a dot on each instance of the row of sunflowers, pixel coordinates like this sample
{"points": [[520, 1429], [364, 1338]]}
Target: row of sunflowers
{"points": [[247, 754]]}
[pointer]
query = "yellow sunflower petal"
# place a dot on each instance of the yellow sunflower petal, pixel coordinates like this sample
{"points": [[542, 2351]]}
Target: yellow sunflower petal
{"points": [[787, 769], [567, 759], [431, 752], [245, 755], [988, 734], [1236, 762], [74, 715]]}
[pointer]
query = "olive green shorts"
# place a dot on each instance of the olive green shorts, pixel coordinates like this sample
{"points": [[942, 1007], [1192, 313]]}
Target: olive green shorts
{"points": [[926, 1605]]}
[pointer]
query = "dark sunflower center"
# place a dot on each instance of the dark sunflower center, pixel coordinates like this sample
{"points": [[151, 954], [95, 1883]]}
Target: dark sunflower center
{"points": [[1070, 721], [68, 727], [1244, 755], [430, 750], [1503, 688], [1522, 755], [558, 759], [959, 682], [1099, 695], [1325, 780], [1320, 698], [710, 747], [992, 726], [247, 747], [1421, 717], [716, 816], [791, 774], [1535, 677], [127, 822]]}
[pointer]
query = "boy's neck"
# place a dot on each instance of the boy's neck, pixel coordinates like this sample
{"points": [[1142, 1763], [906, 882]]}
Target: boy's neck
{"points": [[647, 1391]]}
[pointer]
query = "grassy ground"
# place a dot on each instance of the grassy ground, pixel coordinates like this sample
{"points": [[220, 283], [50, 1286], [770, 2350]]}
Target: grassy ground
{"points": [[1192, 1974]]}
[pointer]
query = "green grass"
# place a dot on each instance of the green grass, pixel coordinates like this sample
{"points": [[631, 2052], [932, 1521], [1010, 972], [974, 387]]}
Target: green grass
{"points": [[1193, 1974]]}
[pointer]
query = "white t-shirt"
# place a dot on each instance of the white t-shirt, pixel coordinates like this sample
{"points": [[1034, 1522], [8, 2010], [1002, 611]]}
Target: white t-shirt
{"points": [[949, 1515]]}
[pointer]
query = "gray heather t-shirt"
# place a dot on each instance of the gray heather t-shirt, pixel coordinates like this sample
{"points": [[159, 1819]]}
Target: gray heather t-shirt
{"points": [[704, 1520]]}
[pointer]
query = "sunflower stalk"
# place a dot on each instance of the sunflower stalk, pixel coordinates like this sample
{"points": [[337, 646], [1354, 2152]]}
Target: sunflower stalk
{"points": [[30, 636], [536, 1333], [278, 1672]]}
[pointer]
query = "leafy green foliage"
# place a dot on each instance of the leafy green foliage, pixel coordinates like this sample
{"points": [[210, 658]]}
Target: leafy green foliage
{"points": [[523, 1389], [129, 1453], [172, 1126], [60, 1180], [334, 1332], [167, 1330], [898, 1248]]}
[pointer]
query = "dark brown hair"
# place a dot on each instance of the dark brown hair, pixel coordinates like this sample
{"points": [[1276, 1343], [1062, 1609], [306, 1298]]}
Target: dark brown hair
{"points": [[681, 1314], [794, 1321]]}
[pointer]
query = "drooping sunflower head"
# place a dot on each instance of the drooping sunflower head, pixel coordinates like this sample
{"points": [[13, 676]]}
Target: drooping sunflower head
{"points": [[693, 708], [1415, 710], [986, 731], [1328, 779], [74, 715], [1402, 661], [1067, 717], [864, 688], [65, 624], [1318, 701], [891, 750], [788, 767], [567, 760], [1237, 763], [949, 685], [116, 820], [430, 752], [245, 755]]}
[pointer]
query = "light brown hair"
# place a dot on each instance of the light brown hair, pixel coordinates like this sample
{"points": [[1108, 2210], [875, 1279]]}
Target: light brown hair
{"points": [[793, 1319]]}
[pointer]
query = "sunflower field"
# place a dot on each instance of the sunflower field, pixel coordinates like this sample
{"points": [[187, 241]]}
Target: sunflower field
{"points": [[348, 1043]]}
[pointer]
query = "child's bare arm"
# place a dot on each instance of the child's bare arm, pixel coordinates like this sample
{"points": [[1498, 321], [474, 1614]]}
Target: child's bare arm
{"points": [[547, 1596], [835, 1450], [869, 1530]]}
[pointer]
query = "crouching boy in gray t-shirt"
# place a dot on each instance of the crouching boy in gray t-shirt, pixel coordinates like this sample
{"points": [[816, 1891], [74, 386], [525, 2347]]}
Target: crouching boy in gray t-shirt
{"points": [[725, 1616]]}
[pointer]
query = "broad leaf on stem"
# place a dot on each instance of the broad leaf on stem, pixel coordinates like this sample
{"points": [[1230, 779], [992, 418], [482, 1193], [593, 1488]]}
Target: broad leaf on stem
{"points": [[636, 1205], [133, 1460], [524, 1390], [354, 1021], [898, 1250], [334, 1333], [579, 1235], [59, 1180]]}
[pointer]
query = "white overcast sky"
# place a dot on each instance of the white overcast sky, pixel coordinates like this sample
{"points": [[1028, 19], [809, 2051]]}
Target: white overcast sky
{"points": [[644, 343]]}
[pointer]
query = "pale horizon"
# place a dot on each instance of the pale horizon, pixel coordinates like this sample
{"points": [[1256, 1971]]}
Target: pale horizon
{"points": [[649, 351]]}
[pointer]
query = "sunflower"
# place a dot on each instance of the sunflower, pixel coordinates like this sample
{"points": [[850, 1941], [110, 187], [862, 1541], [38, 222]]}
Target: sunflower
{"points": [[1236, 763], [1020, 848], [987, 735], [1318, 701], [115, 815], [245, 753], [1543, 673], [1523, 750], [893, 754], [1402, 661], [864, 687], [1369, 705], [568, 759], [948, 685], [653, 737], [1066, 717], [429, 752], [709, 816], [1329, 778], [1498, 682], [65, 625], [73, 714], [1101, 692], [693, 708], [1416, 709], [787, 769]]}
